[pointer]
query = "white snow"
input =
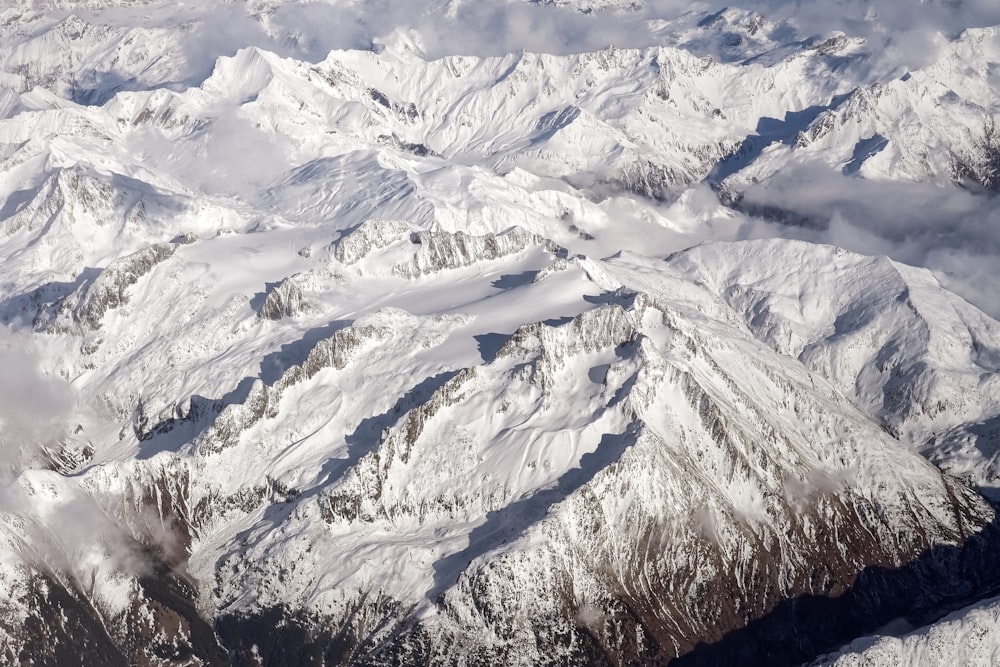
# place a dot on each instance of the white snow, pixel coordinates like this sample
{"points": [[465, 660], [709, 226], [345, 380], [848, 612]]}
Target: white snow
{"points": [[486, 333]]}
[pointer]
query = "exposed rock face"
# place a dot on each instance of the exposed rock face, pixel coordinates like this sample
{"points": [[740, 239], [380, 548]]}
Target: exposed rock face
{"points": [[782, 524], [372, 235], [649, 180], [163, 627], [132, 605], [982, 166], [284, 300], [429, 252], [84, 309], [443, 250]]}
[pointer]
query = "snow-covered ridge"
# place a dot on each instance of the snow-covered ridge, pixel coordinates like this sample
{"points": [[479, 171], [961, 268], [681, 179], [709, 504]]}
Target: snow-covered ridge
{"points": [[85, 308], [967, 637], [440, 466], [334, 352], [879, 330], [390, 355]]}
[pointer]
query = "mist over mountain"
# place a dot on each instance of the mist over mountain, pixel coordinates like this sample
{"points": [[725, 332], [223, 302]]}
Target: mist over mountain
{"points": [[578, 332]]}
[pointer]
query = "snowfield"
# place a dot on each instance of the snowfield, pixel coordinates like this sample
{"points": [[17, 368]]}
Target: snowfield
{"points": [[373, 346]]}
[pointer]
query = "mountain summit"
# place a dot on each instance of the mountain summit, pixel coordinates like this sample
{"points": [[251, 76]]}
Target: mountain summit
{"points": [[467, 337]]}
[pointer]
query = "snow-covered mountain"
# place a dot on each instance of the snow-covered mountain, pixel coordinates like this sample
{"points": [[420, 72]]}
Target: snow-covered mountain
{"points": [[966, 637], [451, 352]]}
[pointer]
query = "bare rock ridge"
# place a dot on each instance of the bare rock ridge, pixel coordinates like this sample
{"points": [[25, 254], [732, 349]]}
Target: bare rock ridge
{"points": [[369, 236], [286, 299], [429, 252], [84, 309], [440, 250]]}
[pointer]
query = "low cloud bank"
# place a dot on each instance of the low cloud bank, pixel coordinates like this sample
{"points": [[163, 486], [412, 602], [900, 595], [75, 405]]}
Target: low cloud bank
{"points": [[63, 528], [903, 30], [950, 230], [34, 407]]}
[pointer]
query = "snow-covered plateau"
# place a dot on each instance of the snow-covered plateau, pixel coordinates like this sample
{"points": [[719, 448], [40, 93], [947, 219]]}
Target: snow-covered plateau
{"points": [[449, 333]]}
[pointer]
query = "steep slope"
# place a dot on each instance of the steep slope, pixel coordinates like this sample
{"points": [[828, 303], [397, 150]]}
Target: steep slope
{"points": [[926, 366], [404, 355], [967, 637], [953, 139], [668, 474]]}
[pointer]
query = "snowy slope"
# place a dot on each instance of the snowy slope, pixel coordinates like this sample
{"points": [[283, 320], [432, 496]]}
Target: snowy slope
{"points": [[408, 354], [922, 363], [966, 637]]}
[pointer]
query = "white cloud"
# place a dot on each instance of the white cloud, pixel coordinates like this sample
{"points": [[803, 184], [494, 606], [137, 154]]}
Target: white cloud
{"points": [[34, 406], [952, 231]]}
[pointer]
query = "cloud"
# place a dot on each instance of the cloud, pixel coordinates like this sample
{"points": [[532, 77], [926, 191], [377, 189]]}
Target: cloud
{"points": [[901, 31], [63, 528], [952, 231], [34, 406], [947, 229], [488, 27], [230, 155]]}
